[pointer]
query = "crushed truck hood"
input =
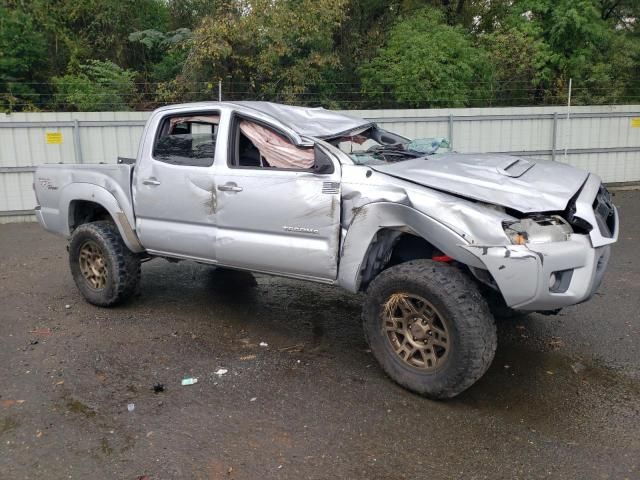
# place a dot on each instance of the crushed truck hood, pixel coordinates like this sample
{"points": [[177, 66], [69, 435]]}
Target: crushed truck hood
{"points": [[519, 183]]}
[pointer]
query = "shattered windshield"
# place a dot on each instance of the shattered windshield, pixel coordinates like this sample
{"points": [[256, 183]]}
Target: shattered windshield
{"points": [[374, 146]]}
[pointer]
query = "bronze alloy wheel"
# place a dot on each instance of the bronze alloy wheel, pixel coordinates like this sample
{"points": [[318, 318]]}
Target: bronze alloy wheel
{"points": [[417, 332], [93, 265]]}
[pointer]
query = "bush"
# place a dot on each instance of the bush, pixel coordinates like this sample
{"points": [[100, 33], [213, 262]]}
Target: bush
{"points": [[97, 86]]}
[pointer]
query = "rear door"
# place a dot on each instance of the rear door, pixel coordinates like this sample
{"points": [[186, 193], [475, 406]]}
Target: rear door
{"points": [[279, 219], [174, 190]]}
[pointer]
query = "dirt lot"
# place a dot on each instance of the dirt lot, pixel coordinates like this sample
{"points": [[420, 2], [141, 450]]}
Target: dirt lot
{"points": [[561, 400]]}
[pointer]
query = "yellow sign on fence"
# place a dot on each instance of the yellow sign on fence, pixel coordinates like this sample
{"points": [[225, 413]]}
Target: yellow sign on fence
{"points": [[635, 122], [54, 137]]}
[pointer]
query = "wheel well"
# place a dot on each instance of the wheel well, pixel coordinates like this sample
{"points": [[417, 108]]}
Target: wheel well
{"points": [[391, 247], [84, 211]]}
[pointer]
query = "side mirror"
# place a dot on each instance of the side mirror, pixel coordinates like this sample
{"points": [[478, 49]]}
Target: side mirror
{"points": [[322, 164]]}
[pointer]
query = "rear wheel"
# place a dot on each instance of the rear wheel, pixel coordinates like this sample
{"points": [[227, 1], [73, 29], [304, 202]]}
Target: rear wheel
{"points": [[105, 271], [429, 328]]}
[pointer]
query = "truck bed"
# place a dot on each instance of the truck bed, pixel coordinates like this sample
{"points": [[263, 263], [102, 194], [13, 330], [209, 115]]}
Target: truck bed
{"points": [[56, 185]]}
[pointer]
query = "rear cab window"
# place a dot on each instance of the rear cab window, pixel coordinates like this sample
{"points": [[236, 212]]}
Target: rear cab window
{"points": [[187, 140]]}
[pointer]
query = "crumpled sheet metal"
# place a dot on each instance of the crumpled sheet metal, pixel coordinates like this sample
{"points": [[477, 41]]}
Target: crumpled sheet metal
{"points": [[522, 272], [374, 202], [311, 122], [474, 222], [522, 184]]}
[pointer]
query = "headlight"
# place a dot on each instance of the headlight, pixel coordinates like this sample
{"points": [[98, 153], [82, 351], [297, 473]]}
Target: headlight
{"points": [[538, 229]]}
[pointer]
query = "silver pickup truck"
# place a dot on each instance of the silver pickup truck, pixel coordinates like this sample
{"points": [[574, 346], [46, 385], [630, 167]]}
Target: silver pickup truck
{"points": [[439, 242]]}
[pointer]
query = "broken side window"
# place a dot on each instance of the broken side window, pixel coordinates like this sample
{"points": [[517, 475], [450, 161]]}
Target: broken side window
{"points": [[187, 140]]}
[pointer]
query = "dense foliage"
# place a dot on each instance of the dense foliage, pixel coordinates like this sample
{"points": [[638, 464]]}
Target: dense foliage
{"points": [[125, 54]]}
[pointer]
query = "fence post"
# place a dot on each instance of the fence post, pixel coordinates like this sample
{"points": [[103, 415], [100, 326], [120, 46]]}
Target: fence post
{"points": [[450, 131], [554, 136], [77, 148], [567, 133]]}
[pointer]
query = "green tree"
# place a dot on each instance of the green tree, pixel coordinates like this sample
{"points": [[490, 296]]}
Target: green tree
{"points": [[425, 63], [581, 42], [189, 13], [521, 67], [97, 86], [276, 50], [22, 60], [166, 53]]}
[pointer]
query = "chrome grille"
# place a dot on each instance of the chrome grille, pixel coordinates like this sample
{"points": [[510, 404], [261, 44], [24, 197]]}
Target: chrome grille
{"points": [[604, 212]]}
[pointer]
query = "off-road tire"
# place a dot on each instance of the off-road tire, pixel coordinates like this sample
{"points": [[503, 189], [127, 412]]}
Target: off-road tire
{"points": [[121, 264], [455, 296]]}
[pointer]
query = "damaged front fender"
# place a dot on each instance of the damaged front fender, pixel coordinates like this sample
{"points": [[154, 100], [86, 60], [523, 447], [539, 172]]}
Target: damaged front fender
{"points": [[373, 217]]}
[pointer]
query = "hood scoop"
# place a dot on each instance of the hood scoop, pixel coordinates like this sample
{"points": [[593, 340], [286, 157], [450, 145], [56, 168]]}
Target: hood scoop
{"points": [[515, 167]]}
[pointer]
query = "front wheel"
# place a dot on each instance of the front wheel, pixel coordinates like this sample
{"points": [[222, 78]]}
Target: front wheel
{"points": [[105, 271], [429, 328]]}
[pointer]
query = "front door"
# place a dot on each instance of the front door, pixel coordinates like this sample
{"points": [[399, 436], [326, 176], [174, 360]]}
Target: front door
{"points": [[274, 215]]}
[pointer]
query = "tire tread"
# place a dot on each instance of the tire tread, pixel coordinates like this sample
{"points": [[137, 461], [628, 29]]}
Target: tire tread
{"points": [[474, 323], [126, 264]]}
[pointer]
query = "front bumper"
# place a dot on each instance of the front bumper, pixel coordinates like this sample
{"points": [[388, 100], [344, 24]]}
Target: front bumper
{"points": [[523, 273], [548, 276]]}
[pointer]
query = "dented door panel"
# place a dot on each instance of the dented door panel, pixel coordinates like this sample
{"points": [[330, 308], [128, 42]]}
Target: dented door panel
{"points": [[281, 221], [177, 216], [175, 204]]}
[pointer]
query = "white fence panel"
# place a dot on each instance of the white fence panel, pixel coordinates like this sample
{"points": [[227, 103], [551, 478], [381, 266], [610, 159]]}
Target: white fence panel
{"points": [[601, 139]]}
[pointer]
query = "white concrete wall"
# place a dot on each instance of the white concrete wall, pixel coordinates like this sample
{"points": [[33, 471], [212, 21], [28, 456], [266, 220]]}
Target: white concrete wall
{"points": [[598, 138]]}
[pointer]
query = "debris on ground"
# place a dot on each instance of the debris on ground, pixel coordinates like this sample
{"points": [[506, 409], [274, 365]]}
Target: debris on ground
{"points": [[33, 342], [67, 306], [521, 330], [131, 407], [158, 387], [8, 403], [41, 331], [263, 344], [189, 381], [253, 399], [556, 343], [578, 368], [298, 347], [220, 371], [247, 357]]}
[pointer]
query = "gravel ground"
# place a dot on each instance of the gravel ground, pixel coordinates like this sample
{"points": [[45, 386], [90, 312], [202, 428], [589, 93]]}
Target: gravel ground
{"points": [[561, 400]]}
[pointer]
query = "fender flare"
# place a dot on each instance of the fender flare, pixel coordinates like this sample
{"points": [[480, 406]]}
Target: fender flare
{"points": [[96, 194], [373, 217]]}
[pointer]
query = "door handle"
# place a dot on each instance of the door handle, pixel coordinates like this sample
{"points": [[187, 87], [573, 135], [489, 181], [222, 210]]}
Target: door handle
{"points": [[229, 187], [150, 181]]}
